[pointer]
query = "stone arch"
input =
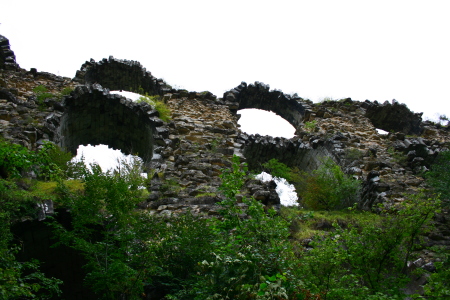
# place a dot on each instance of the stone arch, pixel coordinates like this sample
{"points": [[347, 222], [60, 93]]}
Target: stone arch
{"points": [[94, 116], [306, 155], [258, 95], [118, 74], [393, 116]]}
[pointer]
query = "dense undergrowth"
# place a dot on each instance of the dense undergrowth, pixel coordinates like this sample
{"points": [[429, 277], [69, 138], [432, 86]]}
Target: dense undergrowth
{"points": [[248, 252]]}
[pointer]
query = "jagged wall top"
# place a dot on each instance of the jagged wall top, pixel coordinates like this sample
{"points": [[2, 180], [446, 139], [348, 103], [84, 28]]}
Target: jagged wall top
{"points": [[118, 74], [7, 57]]}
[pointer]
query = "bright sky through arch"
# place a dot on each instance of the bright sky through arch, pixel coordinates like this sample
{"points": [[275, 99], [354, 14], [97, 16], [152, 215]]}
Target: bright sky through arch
{"points": [[257, 121]]}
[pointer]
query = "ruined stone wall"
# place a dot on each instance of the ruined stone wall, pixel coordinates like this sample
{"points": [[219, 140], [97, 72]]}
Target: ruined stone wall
{"points": [[116, 74], [93, 116], [259, 95], [292, 152], [7, 57], [393, 117], [203, 134], [187, 154]]}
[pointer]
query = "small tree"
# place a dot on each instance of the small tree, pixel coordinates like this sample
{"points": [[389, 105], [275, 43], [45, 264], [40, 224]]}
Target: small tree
{"points": [[328, 188], [104, 226]]}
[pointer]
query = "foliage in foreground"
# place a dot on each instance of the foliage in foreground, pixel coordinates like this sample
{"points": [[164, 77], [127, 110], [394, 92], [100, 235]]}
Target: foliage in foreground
{"points": [[369, 261], [19, 280], [246, 253], [185, 257], [16, 160]]}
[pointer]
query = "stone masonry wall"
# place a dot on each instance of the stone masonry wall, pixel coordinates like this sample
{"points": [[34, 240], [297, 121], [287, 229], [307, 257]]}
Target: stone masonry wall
{"points": [[187, 154], [117, 74], [7, 57], [258, 95], [204, 133], [93, 116]]}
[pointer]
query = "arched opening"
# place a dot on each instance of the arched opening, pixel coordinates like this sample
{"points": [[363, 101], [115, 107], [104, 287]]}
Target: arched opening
{"points": [[93, 116], [103, 155], [258, 95], [107, 158], [257, 121]]}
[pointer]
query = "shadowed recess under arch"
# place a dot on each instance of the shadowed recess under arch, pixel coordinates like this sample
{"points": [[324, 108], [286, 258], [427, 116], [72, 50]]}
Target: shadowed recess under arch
{"points": [[93, 116]]}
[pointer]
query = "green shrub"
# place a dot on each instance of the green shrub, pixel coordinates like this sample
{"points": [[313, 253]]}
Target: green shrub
{"points": [[19, 280], [158, 104], [328, 188], [311, 125], [439, 177], [23, 280], [353, 154], [41, 94], [104, 229], [14, 159], [251, 254], [368, 261], [438, 283], [398, 157], [66, 91], [277, 169]]}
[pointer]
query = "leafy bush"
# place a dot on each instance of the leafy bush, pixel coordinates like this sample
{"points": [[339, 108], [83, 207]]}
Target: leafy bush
{"points": [[23, 280], [438, 285], [158, 104], [173, 249], [16, 159], [66, 91], [328, 188], [368, 261], [398, 156], [19, 280], [42, 93], [103, 228], [311, 125], [353, 154], [277, 169], [251, 254], [439, 176]]}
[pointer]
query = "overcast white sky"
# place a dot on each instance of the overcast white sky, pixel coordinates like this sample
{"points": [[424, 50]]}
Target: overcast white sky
{"points": [[377, 50]]}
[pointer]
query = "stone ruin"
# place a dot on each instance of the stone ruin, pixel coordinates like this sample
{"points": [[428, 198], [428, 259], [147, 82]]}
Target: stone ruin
{"points": [[186, 154], [196, 144]]}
